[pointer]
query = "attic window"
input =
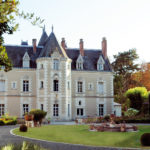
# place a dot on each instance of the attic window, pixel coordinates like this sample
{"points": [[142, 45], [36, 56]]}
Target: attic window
{"points": [[100, 63], [26, 60], [79, 65], [100, 66]]}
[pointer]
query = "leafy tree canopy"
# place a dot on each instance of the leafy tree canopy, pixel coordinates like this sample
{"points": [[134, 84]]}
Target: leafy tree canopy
{"points": [[123, 66]]}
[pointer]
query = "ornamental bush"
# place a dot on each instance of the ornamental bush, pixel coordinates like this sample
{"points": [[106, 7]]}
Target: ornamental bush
{"points": [[23, 128], [131, 112], [145, 139], [38, 114]]}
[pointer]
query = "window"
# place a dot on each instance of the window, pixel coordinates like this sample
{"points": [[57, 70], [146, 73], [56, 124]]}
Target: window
{"points": [[42, 107], [56, 64], [55, 110], [2, 85], [80, 88], [14, 85], [100, 67], [26, 63], [25, 85], [55, 83], [2, 109], [68, 110], [25, 108], [41, 84], [80, 112], [100, 88], [80, 103], [101, 109], [68, 85], [90, 86], [41, 66], [79, 65], [26, 60]]}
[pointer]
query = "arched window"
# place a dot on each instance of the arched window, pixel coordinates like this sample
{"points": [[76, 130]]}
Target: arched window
{"points": [[55, 85]]}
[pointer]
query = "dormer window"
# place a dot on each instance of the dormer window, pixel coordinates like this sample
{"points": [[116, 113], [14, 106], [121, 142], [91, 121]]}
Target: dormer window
{"points": [[26, 60], [56, 64], [100, 63], [79, 63]]}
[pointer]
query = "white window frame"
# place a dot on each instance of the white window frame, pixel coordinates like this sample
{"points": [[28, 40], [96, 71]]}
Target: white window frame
{"points": [[12, 85], [25, 108], [55, 110], [81, 113], [41, 84], [55, 64], [55, 85], [80, 86], [25, 85], [101, 110], [2, 85], [100, 90], [42, 106]]}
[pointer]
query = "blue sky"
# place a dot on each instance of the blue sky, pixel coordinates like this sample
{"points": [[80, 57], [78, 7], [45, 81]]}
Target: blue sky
{"points": [[124, 23]]}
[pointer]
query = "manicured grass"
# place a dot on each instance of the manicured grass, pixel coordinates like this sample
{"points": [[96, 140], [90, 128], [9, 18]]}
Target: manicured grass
{"points": [[79, 134]]}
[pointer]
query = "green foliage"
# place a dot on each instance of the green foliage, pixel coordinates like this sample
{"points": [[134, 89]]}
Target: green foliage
{"points": [[4, 60], [38, 114], [131, 112], [123, 66], [137, 96], [23, 146]]}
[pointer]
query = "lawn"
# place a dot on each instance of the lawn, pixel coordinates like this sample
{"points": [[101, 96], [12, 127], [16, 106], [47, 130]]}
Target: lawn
{"points": [[79, 134]]}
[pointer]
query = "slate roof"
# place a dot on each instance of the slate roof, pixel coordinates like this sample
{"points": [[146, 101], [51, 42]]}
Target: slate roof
{"points": [[16, 53], [90, 58], [51, 44], [47, 45], [43, 38]]}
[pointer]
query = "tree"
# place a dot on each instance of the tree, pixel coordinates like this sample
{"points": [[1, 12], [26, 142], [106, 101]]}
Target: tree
{"points": [[8, 13], [123, 66], [142, 77], [137, 97]]}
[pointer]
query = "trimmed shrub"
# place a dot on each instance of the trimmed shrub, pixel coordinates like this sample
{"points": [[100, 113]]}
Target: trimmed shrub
{"points": [[23, 128], [145, 139], [38, 114]]}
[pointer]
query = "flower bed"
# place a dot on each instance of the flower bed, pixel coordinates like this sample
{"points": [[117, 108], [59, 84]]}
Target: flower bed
{"points": [[8, 120], [113, 127]]}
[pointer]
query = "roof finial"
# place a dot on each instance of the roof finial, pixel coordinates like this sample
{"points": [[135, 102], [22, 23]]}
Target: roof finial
{"points": [[52, 28], [44, 28]]}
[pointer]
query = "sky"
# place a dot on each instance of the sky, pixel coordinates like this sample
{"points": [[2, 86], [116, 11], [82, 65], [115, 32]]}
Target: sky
{"points": [[124, 23]]}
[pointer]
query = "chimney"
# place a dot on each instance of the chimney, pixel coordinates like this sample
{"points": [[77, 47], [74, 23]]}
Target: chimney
{"points": [[34, 45], [104, 47], [81, 47], [63, 44]]}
